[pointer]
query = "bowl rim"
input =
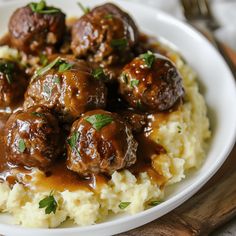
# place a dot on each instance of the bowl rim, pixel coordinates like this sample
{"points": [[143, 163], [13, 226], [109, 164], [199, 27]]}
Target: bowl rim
{"points": [[168, 204]]}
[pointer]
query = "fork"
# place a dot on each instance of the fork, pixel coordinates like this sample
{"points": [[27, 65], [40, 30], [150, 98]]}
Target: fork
{"points": [[199, 15]]}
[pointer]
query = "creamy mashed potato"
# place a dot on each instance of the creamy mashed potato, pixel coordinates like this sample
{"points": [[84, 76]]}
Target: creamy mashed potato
{"points": [[183, 133]]}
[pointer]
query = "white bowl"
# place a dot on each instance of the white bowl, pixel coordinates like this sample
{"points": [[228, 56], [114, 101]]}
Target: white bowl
{"points": [[219, 92]]}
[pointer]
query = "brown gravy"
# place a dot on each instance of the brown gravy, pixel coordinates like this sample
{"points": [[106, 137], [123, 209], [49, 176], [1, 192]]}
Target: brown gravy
{"points": [[5, 40], [58, 177]]}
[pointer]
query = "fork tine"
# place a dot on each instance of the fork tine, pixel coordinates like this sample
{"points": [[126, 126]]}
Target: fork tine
{"points": [[201, 7], [197, 10], [204, 8], [191, 9], [198, 13]]}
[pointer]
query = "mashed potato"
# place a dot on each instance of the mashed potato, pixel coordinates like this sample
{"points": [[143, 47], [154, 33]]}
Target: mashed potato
{"points": [[183, 133]]}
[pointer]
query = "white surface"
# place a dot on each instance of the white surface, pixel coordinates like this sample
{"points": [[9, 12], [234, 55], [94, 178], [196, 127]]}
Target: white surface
{"points": [[220, 94], [225, 13], [223, 10]]}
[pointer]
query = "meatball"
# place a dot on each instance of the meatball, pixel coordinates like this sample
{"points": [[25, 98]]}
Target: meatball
{"points": [[68, 87], [32, 137], [100, 142], [36, 26], [104, 35], [151, 83], [13, 83], [137, 121]]}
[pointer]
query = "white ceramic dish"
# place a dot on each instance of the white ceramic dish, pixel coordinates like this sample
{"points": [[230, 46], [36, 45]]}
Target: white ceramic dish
{"points": [[219, 91]]}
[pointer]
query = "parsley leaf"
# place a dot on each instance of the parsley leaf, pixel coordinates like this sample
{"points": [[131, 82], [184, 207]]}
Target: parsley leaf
{"points": [[42, 8], [21, 145], [98, 73], [64, 66], [41, 5], [83, 8], [123, 205], [73, 139], [49, 203], [9, 78], [7, 68], [43, 59], [139, 105], [154, 203], [99, 120], [134, 83], [148, 58], [38, 114], [119, 44], [108, 16], [58, 62], [45, 69], [179, 129]]}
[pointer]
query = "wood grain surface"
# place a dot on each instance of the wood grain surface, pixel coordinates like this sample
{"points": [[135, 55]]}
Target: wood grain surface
{"points": [[211, 207]]}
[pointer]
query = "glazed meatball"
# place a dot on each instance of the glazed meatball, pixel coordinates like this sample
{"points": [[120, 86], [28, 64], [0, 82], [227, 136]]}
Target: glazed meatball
{"points": [[105, 35], [32, 137], [13, 83], [68, 87], [137, 121], [100, 142], [151, 83], [34, 27]]}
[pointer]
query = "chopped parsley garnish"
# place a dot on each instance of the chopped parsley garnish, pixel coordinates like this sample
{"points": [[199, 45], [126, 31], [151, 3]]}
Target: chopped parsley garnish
{"points": [[72, 141], [98, 73], [38, 114], [7, 68], [154, 203], [83, 8], [43, 59], [123, 205], [179, 129], [49, 203], [21, 146], [134, 83], [42, 8], [148, 58], [108, 16], [9, 78], [59, 62], [45, 69], [139, 104], [99, 120], [119, 44], [64, 66]]}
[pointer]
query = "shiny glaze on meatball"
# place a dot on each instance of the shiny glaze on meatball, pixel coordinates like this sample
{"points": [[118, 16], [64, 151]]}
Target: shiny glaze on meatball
{"points": [[105, 35], [33, 31], [100, 142], [151, 83], [13, 83], [69, 92], [33, 137]]}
